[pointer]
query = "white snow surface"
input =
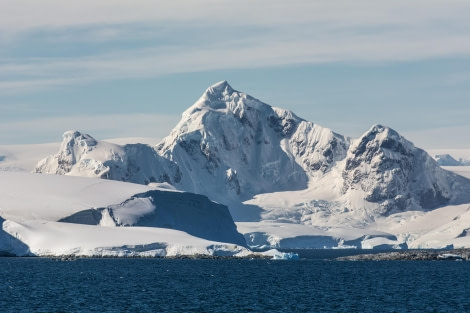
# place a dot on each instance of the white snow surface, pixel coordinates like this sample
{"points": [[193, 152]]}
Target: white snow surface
{"points": [[287, 182], [307, 223], [55, 215], [47, 238]]}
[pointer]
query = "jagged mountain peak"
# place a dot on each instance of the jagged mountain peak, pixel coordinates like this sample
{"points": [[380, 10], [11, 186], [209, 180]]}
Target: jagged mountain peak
{"points": [[222, 87], [392, 172], [72, 136], [221, 104], [248, 144], [222, 98], [381, 137], [235, 140]]}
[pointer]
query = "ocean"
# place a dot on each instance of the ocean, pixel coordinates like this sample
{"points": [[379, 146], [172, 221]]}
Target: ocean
{"points": [[312, 284]]}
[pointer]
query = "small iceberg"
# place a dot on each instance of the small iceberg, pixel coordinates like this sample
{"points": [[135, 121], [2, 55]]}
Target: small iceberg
{"points": [[278, 255], [450, 257]]}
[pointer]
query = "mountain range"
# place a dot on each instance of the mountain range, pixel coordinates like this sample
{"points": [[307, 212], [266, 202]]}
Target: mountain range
{"points": [[231, 147], [284, 181]]}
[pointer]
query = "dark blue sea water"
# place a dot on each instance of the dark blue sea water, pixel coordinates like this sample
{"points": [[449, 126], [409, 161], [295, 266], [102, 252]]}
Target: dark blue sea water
{"points": [[162, 285]]}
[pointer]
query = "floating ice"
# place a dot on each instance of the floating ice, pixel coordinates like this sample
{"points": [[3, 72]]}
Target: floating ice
{"points": [[278, 255]]}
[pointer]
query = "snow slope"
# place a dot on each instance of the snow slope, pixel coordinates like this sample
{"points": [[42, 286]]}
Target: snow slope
{"points": [[55, 215]]}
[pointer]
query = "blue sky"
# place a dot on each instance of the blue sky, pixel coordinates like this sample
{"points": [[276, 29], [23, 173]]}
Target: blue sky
{"points": [[129, 69]]}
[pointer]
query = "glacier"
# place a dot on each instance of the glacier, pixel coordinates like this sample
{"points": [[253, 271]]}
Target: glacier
{"points": [[58, 215]]}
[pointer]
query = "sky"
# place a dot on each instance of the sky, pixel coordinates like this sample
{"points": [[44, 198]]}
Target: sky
{"points": [[127, 68]]}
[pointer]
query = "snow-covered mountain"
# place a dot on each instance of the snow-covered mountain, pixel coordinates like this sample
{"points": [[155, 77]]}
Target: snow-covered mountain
{"points": [[82, 155], [448, 160], [231, 144], [231, 147], [269, 165], [392, 172]]}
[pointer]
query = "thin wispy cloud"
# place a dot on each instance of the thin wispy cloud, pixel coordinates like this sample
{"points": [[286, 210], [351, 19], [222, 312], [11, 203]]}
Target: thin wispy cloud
{"points": [[59, 58], [123, 40], [26, 14], [151, 62]]}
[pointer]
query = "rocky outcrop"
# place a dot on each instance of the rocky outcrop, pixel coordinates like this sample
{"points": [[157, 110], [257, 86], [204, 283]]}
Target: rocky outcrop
{"points": [[412, 255]]}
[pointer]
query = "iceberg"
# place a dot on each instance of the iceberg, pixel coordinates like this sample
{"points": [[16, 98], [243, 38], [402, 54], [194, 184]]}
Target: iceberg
{"points": [[278, 255]]}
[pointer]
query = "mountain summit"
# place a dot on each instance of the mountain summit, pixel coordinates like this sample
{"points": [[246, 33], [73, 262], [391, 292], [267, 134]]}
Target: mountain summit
{"points": [[242, 145], [392, 172], [232, 148]]}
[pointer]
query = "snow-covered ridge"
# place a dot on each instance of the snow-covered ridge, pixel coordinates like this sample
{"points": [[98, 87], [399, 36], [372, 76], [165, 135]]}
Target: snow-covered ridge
{"points": [[82, 155]]}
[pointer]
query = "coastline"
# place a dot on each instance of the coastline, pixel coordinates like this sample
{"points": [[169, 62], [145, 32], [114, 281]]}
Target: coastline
{"points": [[411, 255]]}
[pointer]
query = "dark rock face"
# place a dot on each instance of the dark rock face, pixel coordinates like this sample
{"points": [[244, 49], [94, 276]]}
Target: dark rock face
{"points": [[285, 127]]}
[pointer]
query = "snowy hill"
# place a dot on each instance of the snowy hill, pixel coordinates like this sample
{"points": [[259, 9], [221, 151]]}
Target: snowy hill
{"points": [[268, 165], [55, 215]]}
